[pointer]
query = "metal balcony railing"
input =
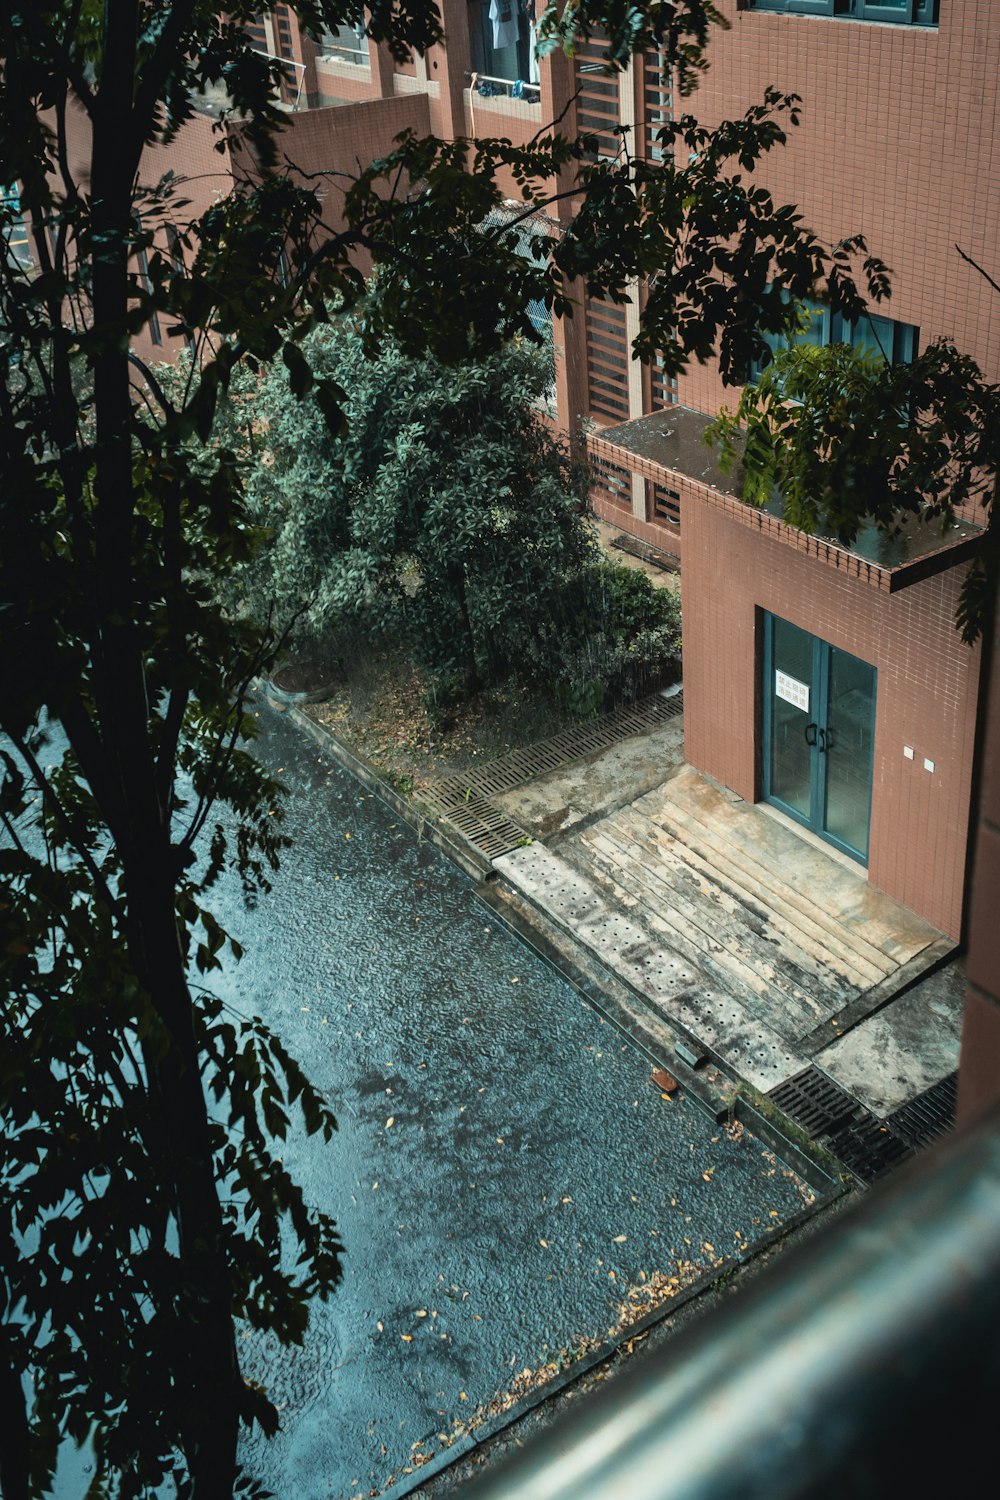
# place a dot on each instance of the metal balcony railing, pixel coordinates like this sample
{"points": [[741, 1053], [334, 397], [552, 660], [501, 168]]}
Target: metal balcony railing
{"points": [[488, 87], [335, 52]]}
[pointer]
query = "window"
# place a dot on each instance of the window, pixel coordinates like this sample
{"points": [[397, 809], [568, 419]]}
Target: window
{"points": [[526, 231], [896, 342], [153, 323], [346, 43], [502, 44], [14, 229], [902, 12], [663, 504]]}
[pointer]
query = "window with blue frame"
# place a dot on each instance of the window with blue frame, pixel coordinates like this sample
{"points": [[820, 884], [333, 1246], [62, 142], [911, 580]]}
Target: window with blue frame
{"points": [[14, 230], [895, 342], [902, 12]]}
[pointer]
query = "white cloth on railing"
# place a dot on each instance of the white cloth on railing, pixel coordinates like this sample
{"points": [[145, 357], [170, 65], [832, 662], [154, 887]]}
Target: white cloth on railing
{"points": [[532, 53]]}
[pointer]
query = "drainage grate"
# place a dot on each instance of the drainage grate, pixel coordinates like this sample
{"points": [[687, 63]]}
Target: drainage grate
{"points": [[867, 1146], [928, 1117], [868, 1149], [486, 827], [513, 770], [815, 1102]]}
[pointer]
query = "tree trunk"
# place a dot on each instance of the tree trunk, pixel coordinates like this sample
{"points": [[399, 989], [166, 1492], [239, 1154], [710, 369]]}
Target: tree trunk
{"points": [[14, 1433], [206, 1374], [207, 1370]]}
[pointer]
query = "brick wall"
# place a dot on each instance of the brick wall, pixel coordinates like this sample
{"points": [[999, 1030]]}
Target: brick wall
{"points": [[340, 139], [738, 564], [899, 141], [616, 498]]}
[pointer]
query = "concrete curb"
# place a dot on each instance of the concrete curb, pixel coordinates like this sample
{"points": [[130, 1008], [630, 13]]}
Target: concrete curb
{"points": [[803, 1158]]}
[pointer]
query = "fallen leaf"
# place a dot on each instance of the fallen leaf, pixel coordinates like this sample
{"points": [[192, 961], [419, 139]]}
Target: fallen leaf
{"points": [[544, 1244], [380, 1326], [499, 1140], [708, 1173], [421, 1312], [390, 1122], [407, 1338], [620, 1239]]}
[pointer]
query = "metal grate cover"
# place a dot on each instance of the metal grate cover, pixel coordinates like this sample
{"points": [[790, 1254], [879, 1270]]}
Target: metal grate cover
{"points": [[866, 1145], [868, 1149], [486, 827], [928, 1117], [815, 1102], [513, 770]]}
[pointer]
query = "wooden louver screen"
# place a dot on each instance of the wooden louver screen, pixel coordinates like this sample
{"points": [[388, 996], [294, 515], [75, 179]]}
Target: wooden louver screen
{"points": [[607, 360], [597, 97]]}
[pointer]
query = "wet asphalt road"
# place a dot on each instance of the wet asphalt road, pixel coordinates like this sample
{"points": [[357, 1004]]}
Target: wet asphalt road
{"points": [[518, 1116]]}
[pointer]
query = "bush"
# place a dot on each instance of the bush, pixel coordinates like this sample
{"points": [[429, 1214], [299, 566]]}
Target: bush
{"points": [[611, 639]]}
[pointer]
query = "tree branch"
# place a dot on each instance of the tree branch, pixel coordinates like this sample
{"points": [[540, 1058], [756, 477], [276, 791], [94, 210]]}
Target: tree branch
{"points": [[65, 821], [156, 71], [977, 267]]}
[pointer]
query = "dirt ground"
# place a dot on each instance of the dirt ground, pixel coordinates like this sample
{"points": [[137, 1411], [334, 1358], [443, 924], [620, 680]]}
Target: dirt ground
{"points": [[377, 708]]}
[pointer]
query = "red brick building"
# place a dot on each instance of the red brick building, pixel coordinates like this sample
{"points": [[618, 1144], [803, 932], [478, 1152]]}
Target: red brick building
{"points": [[830, 683]]}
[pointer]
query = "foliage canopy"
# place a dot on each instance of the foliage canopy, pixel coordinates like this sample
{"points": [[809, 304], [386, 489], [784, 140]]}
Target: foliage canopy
{"points": [[848, 440], [447, 515]]}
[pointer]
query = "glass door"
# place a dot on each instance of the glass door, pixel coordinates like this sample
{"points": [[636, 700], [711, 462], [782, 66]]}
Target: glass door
{"points": [[819, 731]]}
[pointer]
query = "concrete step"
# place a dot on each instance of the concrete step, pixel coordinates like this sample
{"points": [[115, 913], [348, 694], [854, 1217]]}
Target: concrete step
{"points": [[769, 866], [718, 935], [656, 969], [777, 930]]}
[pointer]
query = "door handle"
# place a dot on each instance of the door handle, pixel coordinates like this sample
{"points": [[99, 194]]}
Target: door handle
{"points": [[829, 739], [822, 741], [811, 731]]}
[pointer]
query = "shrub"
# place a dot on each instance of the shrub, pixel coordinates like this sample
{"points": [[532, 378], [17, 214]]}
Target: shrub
{"points": [[611, 639]]}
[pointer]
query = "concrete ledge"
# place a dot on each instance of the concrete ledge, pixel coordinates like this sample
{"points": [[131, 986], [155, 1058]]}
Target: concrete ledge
{"points": [[819, 1170], [611, 997]]}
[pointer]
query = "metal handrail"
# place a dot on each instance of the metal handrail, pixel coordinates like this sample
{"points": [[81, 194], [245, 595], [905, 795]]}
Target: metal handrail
{"points": [[507, 83], [864, 1364], [358, 56]]}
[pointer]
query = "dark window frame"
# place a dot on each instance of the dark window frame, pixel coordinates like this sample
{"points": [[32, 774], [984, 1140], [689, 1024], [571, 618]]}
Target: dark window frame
{"points": [[897, 342], [911, 13]]}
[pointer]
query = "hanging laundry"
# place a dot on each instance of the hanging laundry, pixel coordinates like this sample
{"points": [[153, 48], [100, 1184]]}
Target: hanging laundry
{"points": [[503, 15], [532, 53]]}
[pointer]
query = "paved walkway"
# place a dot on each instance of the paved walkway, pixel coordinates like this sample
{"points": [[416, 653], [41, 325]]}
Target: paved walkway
{"points": [[751, 941]]}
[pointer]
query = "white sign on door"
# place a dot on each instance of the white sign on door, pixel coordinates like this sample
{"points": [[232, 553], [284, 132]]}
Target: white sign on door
{"points": [[792, 690]]}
